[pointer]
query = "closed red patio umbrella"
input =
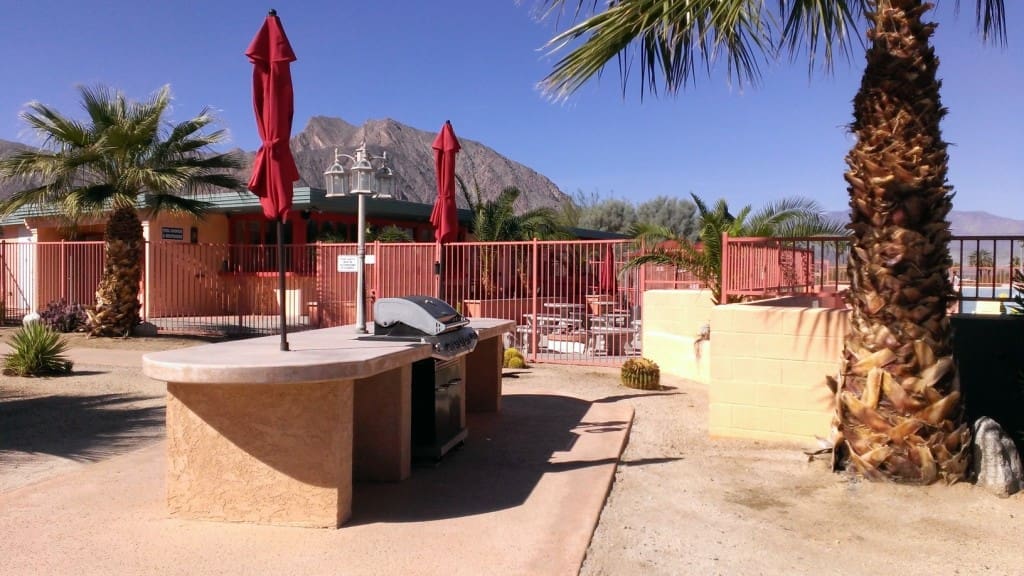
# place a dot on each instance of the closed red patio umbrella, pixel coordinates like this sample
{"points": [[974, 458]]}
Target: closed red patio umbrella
{"points": [[606, 279], [444, 217], [274, 170]]}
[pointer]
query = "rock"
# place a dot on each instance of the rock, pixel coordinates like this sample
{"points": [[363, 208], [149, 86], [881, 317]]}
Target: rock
{"points": [[996, 463], [31, 318], [145, 329]]}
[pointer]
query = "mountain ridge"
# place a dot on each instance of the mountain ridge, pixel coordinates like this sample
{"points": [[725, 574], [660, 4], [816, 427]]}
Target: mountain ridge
{"points": [[969, 223], [413, 163], [411, 156]]}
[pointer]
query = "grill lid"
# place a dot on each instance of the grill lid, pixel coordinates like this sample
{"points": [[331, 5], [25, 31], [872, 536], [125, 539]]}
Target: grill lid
{"points": [[415, 316]]}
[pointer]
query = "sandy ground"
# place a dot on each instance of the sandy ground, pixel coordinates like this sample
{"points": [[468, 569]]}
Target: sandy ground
{"points": [[681, 502]]}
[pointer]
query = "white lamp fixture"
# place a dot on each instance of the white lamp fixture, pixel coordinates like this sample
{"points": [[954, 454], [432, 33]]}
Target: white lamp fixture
{"points": [[361, 180]]}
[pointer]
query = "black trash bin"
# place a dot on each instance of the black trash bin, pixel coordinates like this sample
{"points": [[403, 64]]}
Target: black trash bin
{"points": [[989, 354]]}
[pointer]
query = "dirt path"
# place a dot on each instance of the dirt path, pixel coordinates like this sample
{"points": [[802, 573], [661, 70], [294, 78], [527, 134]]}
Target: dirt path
{"points": [[681, 503]]}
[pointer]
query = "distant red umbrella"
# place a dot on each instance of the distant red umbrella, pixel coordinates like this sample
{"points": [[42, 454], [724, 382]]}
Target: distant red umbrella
{"points": [[445, 217], [606, 275], [274, 103]]}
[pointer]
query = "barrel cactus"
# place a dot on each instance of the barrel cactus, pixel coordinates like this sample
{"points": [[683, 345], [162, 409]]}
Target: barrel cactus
{"points": [[514, 359], [641, 373]]}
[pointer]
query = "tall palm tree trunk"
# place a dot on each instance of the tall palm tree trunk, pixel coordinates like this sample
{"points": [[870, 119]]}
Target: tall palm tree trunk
{"points": [[899, 414], [117, 298]]}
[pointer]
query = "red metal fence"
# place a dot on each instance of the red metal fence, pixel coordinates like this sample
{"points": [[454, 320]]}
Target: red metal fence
{"points": [[763, 267], [571, 301]]}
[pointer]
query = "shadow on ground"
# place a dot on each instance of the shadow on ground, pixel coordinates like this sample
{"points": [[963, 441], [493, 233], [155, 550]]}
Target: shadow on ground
{"points": [[503, 459], [80, 428]]}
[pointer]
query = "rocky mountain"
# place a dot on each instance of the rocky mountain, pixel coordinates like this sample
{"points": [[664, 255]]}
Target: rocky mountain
{"points": [[971, 223], [412, 160], [7, 147]]}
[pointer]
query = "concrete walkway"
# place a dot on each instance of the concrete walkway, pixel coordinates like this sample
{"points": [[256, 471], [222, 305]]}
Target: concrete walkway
{"points": [[521, 497]]}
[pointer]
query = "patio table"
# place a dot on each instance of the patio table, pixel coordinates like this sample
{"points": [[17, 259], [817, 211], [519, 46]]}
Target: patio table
{"points": [[566, 309]]}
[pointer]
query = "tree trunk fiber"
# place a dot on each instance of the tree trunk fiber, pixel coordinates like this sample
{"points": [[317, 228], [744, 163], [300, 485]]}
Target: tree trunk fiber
{"points": [[899, 414], [117, 297]]}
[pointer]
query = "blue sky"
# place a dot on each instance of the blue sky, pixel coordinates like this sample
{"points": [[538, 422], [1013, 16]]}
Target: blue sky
{"points": [[477, 63]]}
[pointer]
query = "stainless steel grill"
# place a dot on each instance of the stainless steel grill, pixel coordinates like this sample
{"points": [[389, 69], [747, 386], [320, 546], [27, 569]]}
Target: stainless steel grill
{"points": [[438, 388], [424, 319]]}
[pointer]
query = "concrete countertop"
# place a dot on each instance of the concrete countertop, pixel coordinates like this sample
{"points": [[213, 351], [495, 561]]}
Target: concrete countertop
{"points": [[314, 356]]}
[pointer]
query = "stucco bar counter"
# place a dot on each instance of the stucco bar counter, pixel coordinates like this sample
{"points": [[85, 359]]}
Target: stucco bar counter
{"points": [[258, 435]]}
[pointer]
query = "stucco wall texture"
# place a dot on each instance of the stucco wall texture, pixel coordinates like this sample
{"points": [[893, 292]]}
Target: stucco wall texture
{"points": [[268, 454]]}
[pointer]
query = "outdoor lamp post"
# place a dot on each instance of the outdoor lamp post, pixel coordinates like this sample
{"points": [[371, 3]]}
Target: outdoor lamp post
{"points": [[362, 180]]}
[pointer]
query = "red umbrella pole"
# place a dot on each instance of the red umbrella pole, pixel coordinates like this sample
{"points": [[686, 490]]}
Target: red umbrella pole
{"points": [[281, 305]]}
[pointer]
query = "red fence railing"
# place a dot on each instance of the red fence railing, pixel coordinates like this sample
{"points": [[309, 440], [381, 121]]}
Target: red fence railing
{"points": [[571, 301], [982, 266]]}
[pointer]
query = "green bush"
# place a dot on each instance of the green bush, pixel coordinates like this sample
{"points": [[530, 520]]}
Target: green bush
{"points": [[641, 373], [514, 359], [38, 351]]}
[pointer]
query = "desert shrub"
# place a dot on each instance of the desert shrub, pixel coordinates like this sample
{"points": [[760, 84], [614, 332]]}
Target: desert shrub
{"points": [[641, 373], [513, 359], [63, 317], [38, 351]]}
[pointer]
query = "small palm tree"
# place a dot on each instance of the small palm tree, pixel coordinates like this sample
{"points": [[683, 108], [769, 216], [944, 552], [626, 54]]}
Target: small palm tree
{"points": [[790, 218], [980, 258], [121, 159], [497, 221]]}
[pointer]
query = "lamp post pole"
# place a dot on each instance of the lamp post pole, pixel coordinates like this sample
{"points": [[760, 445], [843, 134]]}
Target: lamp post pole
{"points": [[361, 258], [365, 181]]}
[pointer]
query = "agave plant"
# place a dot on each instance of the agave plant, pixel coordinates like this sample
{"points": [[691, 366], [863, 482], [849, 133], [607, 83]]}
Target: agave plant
{"points": [[38, 351]]}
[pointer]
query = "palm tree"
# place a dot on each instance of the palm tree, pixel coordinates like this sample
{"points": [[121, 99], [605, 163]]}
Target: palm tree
{"points": [[121, 159], [496, 220], [790, 217], [980, 258], [899, 413]]}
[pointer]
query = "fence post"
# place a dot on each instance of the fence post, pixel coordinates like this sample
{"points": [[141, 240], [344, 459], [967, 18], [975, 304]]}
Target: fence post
{"points": [[374, 293], [534, 300], [3, 280], [439, 271], [641, 275], [723, 297]]}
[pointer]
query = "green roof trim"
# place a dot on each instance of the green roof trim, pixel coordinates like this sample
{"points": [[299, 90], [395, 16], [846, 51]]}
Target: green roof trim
{"points": [[306, 198]]}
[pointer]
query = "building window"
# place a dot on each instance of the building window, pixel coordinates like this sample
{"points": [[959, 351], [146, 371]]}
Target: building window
{"points": [[255, 248]]}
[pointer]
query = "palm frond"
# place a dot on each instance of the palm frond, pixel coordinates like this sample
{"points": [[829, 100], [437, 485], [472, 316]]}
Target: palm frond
{"points": [[990, 18], [672, 40], [178, 204], [824, 26], [649, 235], [120, 152]]}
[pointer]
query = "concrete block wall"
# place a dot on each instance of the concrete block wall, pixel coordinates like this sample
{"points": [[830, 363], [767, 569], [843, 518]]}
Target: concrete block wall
{"points": [[768, 368], [672, 319]]}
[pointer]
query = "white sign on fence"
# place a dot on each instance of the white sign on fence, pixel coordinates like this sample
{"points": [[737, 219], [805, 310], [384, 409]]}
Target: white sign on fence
{"points": [[351, 263]]}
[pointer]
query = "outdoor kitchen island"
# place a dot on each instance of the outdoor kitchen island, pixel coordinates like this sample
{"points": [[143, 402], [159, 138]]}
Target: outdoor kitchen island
{"points": [[255, 434]]}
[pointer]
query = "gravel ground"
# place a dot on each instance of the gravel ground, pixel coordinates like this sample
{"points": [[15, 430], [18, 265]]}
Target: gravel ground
{"points": [[681, 503]]}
